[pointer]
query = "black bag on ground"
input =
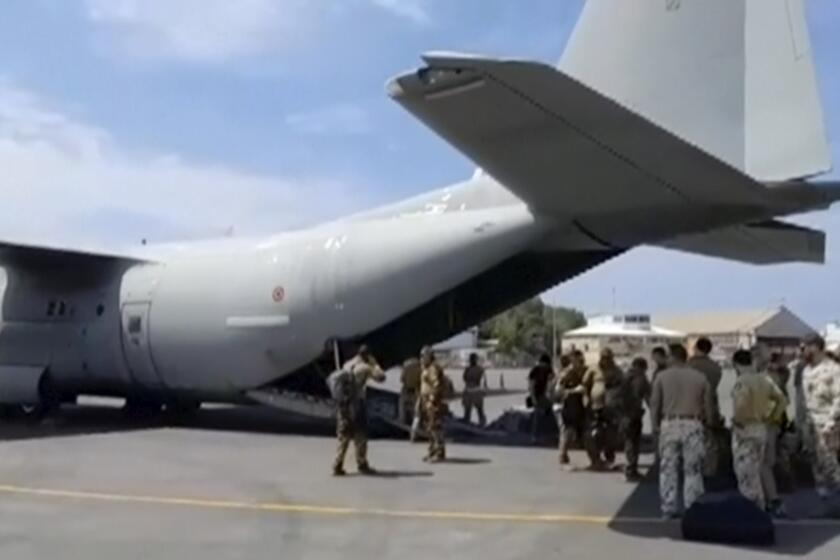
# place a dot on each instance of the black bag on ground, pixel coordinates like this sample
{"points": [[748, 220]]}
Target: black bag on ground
{"points": [[728, 519]]}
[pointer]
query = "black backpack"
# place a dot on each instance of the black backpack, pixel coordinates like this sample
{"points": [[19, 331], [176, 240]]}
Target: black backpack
{"points": [[728, 519]]}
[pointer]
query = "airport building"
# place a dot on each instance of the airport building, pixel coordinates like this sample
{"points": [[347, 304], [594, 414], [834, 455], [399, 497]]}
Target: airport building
{"points": [[831, 334], [626, 335], [455, 351], [778, 328]]}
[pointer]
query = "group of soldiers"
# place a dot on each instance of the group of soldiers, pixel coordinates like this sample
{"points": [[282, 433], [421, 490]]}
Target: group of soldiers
{"points": [[600, 407], [603, 408], [348, 387]]}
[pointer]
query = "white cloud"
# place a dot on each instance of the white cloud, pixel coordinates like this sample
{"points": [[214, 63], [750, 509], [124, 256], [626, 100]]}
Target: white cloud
{"points": [[64, 180], [415, 10], [340, 119], [207, 31], [217, 31]]}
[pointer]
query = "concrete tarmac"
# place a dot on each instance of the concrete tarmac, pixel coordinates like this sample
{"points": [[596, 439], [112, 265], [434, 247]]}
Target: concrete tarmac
{"points": [[234, 483]]}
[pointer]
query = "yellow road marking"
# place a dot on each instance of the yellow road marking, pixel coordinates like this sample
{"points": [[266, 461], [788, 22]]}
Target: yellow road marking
{"points": [[337, 511]]}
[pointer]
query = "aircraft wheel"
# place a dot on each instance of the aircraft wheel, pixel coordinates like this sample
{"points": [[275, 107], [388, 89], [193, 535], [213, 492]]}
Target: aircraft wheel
{"points": [[27, 413], [183, 407], [140, 407]]}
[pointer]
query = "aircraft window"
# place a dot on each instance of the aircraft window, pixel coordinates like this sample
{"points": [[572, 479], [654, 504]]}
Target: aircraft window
{"points": [[100, 309], [51, 309], [135, 324], [62, 309]]}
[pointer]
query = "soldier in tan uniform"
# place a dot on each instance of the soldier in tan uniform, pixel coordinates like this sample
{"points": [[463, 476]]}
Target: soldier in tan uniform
{"points": [[432, 393], [711, 370], [475, 383], [756, 403], [351, 410], [409, 389], [602, 398], [568, 392]]}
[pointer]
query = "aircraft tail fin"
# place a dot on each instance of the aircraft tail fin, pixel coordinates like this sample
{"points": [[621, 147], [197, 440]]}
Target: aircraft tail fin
{"points": [[733, 77]]}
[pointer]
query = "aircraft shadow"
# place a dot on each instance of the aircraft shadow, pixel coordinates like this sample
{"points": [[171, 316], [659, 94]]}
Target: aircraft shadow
{"points": [[77, 421], [791, 539]]}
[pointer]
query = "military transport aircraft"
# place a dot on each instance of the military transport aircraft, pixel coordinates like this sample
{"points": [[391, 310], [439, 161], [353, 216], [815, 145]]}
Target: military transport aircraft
{"points": [[687, 124]]}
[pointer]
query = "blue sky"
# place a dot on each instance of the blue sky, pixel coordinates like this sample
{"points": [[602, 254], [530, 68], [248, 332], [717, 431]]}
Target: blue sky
{"points": [[124, 119]]}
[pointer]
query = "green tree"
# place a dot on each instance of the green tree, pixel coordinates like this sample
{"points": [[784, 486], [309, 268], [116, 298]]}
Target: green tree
{"points": [[527, 328]]}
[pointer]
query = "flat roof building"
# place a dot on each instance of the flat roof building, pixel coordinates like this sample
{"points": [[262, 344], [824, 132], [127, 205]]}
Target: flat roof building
{"points": [[627, 335]]}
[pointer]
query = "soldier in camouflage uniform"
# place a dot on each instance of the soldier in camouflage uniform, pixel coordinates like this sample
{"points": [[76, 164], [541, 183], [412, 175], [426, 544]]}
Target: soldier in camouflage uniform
{"points": [[702, 362], [821, 392], [602, 397], [635, 395], [409, 390], [756, 402], [351, 409], [680, 405], [568, 391], [432, 393]]}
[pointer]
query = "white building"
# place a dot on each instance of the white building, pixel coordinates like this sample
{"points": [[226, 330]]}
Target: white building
{"points": [[455, 352], [628, 336], [831, 334], [466, 340]]}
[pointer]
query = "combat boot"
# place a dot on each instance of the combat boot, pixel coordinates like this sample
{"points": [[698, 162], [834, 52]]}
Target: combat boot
{"points": [[338, 471], [366, 469]]}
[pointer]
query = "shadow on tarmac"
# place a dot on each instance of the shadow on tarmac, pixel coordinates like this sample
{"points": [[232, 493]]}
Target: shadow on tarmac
{"points": [[86, 419], [402, 474], [465, 461], [792, 539]]}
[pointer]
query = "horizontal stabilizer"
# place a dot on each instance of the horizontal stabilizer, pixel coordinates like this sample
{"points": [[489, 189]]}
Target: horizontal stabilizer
{"points": [[562, 147], [770, 242]]}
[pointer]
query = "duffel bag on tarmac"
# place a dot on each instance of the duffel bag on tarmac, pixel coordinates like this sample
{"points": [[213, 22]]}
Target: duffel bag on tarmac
{"points": [[728, 519]]}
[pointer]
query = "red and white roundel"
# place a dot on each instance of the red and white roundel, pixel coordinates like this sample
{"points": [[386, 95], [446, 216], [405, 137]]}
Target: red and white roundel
{"points": [[279, 294]]}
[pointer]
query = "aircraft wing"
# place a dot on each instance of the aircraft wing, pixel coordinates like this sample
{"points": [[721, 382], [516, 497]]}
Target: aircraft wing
{"points": [[562, 147], [32, 256], [768, 242]]}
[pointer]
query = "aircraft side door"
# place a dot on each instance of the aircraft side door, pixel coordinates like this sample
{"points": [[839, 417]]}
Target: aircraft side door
{"points": [[136, 346]]}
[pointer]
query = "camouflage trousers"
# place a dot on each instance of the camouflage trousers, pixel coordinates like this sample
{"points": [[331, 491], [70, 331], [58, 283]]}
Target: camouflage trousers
{"points": [[571, 431], [749, 445], [711, 459], [680, 441], [349, 429], [826, 467], [433, 412]]}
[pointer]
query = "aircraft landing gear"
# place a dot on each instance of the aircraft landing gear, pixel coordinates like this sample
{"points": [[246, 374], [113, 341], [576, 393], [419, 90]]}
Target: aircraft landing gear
{"points": [[183, 406], [141, 407]]}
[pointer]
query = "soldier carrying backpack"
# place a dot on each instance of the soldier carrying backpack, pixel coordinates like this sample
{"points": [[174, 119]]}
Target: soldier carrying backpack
{"points": [[347, 386]]}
